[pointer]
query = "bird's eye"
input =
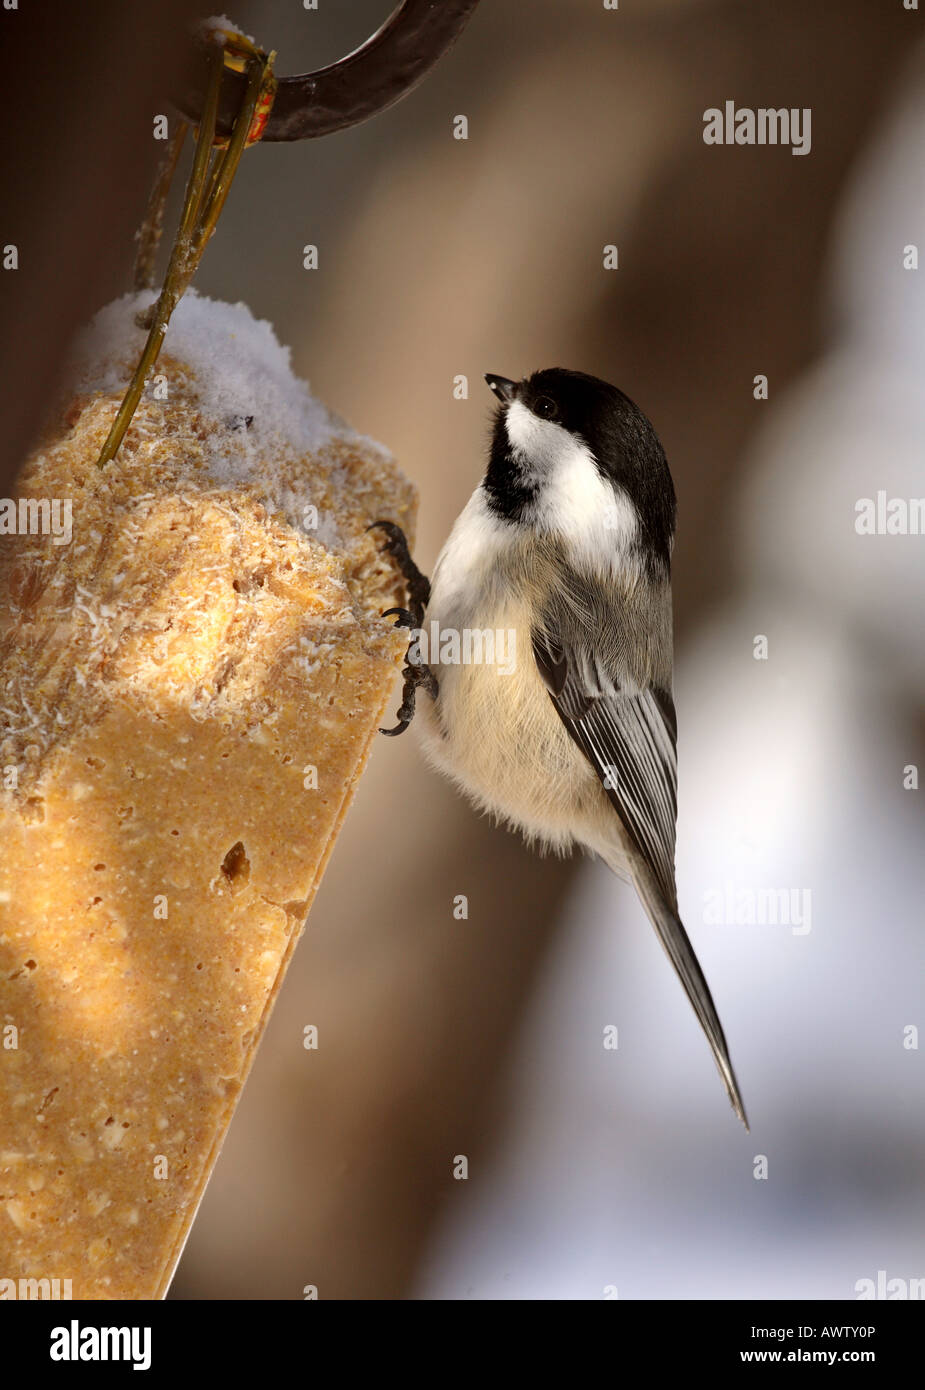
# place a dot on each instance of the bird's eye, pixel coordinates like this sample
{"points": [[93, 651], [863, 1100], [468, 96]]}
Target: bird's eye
{"points": [[546, 407]]}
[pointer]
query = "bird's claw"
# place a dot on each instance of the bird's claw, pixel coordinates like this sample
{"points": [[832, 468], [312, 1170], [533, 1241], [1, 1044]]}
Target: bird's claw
{"points": [[412, 677], [418, 583], [415, 673], [405, 617]]}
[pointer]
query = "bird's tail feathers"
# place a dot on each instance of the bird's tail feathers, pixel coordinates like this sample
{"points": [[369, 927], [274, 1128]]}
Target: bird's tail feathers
{"points": [[670, 931]]}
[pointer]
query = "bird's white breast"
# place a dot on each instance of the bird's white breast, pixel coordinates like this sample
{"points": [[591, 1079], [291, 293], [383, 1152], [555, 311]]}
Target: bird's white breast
{"points": [[497, 735]]}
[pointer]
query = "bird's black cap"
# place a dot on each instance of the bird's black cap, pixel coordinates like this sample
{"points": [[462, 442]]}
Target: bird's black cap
{"points": [[622, 440]]}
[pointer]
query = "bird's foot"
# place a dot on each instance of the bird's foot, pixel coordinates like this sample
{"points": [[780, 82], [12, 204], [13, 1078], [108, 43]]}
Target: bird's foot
{"points": [[418, 583], [415, 673]]}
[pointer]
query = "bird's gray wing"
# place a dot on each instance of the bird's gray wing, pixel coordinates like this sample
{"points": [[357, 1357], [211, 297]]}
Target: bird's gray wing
{"points": [[629, 738]]}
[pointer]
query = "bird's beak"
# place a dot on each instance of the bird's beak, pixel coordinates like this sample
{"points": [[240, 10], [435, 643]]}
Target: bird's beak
{"points": [[502, 388]]}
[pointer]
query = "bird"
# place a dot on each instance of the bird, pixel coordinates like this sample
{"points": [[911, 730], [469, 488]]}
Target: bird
{"points": [[561, 560]]}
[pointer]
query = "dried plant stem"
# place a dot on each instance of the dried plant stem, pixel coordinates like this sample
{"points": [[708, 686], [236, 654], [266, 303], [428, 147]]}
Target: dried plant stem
{"points": [[209, 182]]}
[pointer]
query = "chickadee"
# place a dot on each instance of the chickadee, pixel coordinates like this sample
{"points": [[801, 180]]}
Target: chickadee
{"points": [[566, 544]]}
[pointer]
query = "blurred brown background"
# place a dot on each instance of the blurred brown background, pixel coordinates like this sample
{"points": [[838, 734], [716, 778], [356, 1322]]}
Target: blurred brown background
{"points": [[440, 257]]}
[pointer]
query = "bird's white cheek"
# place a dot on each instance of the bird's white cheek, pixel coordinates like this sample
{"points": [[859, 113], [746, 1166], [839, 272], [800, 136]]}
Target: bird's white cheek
{"points": [[597, 520], [541, 442], [591, 515]]}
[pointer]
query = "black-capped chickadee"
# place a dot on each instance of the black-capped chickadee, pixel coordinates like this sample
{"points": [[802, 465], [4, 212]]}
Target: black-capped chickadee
{"points": [[560, 564]]}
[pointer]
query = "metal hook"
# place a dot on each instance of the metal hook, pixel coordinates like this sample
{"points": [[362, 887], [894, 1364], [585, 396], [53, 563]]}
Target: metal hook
{"points": [[369, 80]]}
